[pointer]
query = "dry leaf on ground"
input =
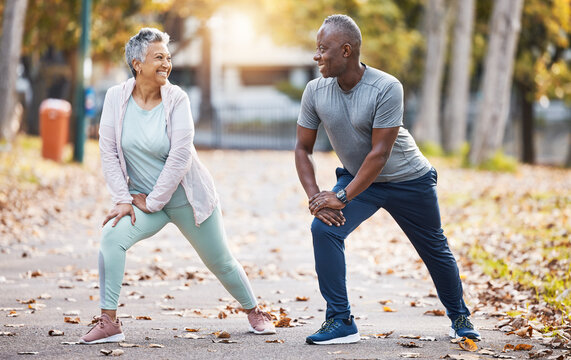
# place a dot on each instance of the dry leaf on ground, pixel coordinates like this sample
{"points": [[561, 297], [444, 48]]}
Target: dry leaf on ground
{"points": [[410, 344], [71, 320], [283, 322], [409, 355], [55, 333], [468, 345], [435, 312], [383, 335]]}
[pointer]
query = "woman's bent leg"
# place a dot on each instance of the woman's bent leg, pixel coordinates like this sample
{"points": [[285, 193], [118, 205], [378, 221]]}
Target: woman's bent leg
{"points": [[115, 241], [209, 241]]}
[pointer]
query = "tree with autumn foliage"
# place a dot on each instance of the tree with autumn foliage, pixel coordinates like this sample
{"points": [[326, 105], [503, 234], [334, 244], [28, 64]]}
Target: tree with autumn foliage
{"points": [[543, 67]]}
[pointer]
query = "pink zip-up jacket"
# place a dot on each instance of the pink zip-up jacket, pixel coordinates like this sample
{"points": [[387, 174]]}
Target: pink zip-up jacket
{"points": [[182, 164]]}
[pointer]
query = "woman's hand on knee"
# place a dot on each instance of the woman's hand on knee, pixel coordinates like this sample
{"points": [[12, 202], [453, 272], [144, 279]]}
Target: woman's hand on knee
{"points": [[118, 212]]}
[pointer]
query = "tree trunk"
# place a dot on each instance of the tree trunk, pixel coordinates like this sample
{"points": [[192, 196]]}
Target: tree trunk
{"points": [[10, 49], [205, 77], [527, 127], [426, 128], [497, 80], [457, 100]]}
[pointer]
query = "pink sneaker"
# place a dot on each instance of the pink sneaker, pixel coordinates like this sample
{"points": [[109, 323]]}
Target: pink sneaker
{"points": [[261, 322], [104, 331]]}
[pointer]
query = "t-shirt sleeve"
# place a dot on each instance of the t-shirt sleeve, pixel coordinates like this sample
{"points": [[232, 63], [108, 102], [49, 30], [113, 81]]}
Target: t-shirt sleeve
{"points": [[308, 117], [389, 109]]}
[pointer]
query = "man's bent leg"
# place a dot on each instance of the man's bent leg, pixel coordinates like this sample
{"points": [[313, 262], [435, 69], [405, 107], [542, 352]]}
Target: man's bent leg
{"points": [[329, 250]]}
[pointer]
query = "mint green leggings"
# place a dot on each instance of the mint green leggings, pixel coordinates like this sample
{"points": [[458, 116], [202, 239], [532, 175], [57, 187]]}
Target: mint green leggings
{"points": [[209, 241]]}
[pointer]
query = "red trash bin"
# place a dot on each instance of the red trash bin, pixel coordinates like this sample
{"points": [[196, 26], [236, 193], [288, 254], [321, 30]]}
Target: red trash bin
{"points": [[54, 127]]}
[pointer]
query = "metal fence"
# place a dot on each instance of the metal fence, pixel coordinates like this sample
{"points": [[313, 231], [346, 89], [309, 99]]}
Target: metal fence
{"points": [[235, 127]]}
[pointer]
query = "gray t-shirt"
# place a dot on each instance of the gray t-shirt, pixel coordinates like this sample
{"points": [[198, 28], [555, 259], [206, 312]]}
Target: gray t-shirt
{"points": [[349, 117]]}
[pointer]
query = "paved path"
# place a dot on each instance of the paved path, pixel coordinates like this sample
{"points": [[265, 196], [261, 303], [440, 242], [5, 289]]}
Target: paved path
{"points": [[268, 228]]}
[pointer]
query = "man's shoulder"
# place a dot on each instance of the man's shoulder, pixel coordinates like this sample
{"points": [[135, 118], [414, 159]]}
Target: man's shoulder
{"points": [[380, 79]]}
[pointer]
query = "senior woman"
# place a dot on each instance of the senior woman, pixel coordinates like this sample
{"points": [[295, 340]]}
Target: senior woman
{"points": [[155, 177]]}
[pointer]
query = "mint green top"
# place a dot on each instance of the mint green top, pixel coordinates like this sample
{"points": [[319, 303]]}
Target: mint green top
{"points": [[146, 147]]}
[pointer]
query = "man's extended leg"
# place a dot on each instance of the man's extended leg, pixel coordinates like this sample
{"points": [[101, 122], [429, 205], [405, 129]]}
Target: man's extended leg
{"points": [[414, 206]]}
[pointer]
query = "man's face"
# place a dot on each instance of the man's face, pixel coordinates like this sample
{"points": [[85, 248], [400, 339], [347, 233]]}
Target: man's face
{"points": [[329, 52]]}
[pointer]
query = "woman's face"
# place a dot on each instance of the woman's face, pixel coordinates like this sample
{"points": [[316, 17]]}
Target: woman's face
{"points": [[157, 65]]}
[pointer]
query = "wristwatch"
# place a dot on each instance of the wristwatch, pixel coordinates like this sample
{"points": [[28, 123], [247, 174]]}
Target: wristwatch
{"points": [[342, 196]]}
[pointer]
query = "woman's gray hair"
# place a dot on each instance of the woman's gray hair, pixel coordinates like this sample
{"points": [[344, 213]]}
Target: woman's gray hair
{"points": [[347, 26], [136, 47]]}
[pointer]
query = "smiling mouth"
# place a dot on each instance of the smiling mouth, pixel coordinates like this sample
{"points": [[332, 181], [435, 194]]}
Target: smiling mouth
{"points": [[162, 73]]}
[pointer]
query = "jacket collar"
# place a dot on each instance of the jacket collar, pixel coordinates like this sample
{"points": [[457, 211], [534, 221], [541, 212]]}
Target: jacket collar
{"points": [[129, 85]]}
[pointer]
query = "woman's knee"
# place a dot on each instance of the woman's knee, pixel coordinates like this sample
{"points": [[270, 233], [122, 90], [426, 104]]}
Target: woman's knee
{"points": [[111, 237]]}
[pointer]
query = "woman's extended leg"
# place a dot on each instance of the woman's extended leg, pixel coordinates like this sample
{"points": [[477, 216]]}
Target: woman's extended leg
{"points": [[209, 241]]}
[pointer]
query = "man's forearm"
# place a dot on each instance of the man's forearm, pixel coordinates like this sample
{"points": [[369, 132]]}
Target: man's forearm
{"points": [[306, 173], [368, 172]]}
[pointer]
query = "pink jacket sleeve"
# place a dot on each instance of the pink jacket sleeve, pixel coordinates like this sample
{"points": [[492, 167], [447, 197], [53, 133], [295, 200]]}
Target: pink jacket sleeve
{"points": [[109, 149], [178, 162]]}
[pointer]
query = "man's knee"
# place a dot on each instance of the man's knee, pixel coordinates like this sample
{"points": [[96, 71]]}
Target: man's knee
{"points": [[321, 230]]}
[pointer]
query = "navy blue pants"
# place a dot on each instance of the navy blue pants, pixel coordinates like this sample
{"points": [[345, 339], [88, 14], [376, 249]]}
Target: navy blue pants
{"points": [[414, 206]]}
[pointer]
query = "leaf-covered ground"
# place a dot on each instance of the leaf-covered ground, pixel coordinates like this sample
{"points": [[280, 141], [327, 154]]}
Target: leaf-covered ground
{"points": [[510, 232]]}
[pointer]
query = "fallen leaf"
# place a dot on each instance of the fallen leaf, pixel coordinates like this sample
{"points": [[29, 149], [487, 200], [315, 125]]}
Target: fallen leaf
{"points": [[223, 335], [276, 341], [143, 318], [72, 343], [427, 338], [524, 332], [7, 333], [191, 330], [409, 355], [540, 353], [435, 312], [191, 336], [116, 352], [156, 346], [508, 347], [410, 344], [301, 298], [383, 335], [30, 301], [71, 320], [28, 353], [408, 336], [126, 345], [461, 357], [468, 345], [222, 315], [385, 302], [14, 325], [523, 347], [224, 341], [283, 322], [486, 351], [55, 333]]}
